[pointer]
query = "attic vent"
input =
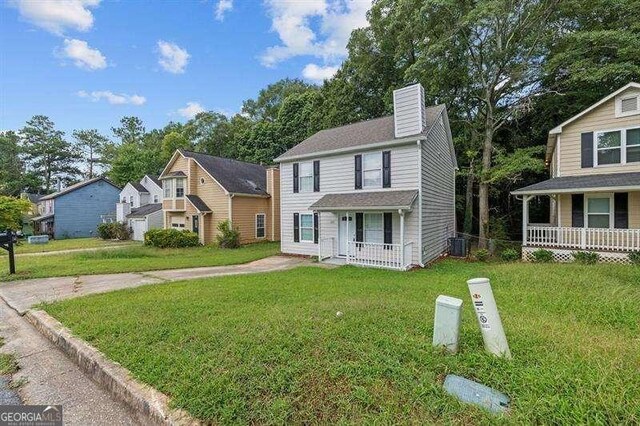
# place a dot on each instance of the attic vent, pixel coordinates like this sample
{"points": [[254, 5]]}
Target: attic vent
{"points": [[629, 105]]}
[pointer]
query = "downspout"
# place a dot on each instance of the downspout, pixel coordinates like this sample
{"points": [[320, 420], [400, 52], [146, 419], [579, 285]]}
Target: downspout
{"points": [[230, 210], [419, 243]]}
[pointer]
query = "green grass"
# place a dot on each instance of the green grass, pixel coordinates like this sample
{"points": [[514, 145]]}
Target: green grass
{"points": [[8, 364], [269, 348], [69, 244], [132, 259]]}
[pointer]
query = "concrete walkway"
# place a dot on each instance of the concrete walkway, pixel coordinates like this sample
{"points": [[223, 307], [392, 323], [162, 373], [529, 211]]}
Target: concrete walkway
{"points": [[22, 295]]}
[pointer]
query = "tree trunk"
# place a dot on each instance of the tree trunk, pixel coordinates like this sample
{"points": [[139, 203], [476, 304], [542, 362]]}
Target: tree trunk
{"points": [[90, 162], [468, 208], [483, 193]]}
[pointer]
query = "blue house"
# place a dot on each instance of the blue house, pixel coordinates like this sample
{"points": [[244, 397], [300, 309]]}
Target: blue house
{"points": [[77, 210]]}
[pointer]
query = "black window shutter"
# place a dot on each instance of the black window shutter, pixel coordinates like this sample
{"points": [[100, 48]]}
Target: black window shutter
{"points": [[388, 229], [358, 171], [386, 169], [621, 210], [577, 210], [315, 228], [296, 228], [587, 149], [316, 176], [295, 177], [359, 227]]}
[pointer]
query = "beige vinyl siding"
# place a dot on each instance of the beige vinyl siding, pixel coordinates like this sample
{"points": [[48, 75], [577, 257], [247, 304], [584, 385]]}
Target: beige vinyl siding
{"points": [[601, 118], [214, 197], [244, 210], [634, 210], [438, 193], [337, 175]]}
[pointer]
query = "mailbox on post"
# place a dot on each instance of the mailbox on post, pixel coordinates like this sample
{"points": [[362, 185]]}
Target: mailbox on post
{"points": [[7, 240]]}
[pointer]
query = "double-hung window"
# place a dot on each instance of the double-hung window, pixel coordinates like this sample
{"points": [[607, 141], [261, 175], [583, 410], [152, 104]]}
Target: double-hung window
{"points": [[617, 146], [167, 187], [598, 212], [306, 177], [306, 227], [372, 170], [131, 199], [260, 222], [373, 228], [179, 188]]}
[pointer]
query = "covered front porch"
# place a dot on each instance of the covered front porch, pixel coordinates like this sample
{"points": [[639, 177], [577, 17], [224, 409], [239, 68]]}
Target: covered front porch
{"points": [[366, 229], [587, 213]]}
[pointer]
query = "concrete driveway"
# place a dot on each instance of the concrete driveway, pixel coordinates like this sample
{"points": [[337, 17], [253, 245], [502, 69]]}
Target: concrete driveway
{"points": [[22, 295]]}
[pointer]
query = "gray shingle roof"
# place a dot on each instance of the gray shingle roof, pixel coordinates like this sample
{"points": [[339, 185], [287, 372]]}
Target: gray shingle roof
{"points": [[237, 177], [367, 200], [355, 135], [155, 180], [198, 203], [43, 217], [78, 186], [138, 186], [142, 211], [175, 174], [581, 183]]}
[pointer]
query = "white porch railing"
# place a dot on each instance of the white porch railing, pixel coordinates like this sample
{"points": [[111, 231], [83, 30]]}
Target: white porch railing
{"points": [[379, 255], [583, 238]]}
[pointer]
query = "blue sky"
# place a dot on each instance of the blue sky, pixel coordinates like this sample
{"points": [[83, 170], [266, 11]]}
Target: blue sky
{"points": [[86, 63]]}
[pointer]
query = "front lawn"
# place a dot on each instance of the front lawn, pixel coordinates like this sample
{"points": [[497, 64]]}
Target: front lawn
{"points": [[68, 244], [132, 259], [269, 348]]}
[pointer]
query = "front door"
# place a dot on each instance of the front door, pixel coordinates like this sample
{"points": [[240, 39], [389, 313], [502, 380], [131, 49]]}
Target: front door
{"points": [[195, 224], [346, 232]]}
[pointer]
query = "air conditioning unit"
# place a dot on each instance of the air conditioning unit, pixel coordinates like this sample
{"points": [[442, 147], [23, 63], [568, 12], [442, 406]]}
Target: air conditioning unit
{"points": [[459, 247]]}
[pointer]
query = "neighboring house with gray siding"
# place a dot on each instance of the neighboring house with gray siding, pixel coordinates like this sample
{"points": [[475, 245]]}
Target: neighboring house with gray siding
{"points": [[140, 206], [77, 210], [376, 193], [594, 187]]}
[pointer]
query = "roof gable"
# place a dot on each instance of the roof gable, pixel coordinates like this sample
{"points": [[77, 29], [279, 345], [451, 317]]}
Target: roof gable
{"points": [[78, 186]]}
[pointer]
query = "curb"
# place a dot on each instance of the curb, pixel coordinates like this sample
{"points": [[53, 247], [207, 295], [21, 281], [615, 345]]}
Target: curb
{"points": [[149, 405]]}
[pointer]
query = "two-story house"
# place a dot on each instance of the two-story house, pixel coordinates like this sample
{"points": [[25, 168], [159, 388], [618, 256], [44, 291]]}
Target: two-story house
{"points": [[140, 206], [375, 193], [77, 210], [200, 191], [594, 159]]}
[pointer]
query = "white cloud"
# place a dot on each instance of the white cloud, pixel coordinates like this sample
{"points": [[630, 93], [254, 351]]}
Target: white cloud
{"points": [[191, 110], [173, 58], [223, 7], [57, 15], [113, 98], [82, 54], [292, 20], [318, 74]]}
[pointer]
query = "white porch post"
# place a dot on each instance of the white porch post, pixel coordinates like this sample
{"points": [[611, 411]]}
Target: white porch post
{"points": [[525, 217], [347, 236], [319, 239], [401, 213]]}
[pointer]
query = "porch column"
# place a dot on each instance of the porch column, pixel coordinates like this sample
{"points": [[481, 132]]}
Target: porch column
{"points": [[347, 237], [319, 239], [401, 213], [525, 216]]}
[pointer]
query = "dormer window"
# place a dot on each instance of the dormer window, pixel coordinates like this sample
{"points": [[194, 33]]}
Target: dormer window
{"points": [[628, 105]]}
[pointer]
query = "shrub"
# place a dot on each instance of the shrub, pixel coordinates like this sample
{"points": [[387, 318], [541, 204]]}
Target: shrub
{"points": [[634, 257], [228, 237], [510, 255], [542, 256], [482, 255], [171, 238], [114, 231], [586, 257]]}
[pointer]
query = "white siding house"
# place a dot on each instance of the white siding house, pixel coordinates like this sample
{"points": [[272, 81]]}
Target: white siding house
{"points": [[140, 206], [376, 193]]}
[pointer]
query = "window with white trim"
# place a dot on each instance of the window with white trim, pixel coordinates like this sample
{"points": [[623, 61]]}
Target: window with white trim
{"points": [[632, 143], [260, 225], [305, 177], [598, 212], [179, 188], [155, 199], [618, 146], [373, 228], [372, 170], [306, 227], [167, 187], [131, 199], [609, 147]]}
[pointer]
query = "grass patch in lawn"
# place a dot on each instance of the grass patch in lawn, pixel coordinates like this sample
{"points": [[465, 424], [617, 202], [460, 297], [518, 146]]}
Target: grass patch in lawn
{"points": [[269, 348], [8, 364], [133, 259], [68, 244]]}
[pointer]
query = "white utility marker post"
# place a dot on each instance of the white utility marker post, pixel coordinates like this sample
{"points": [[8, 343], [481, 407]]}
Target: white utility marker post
{"points": [[446, 323], [486, 310]]}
